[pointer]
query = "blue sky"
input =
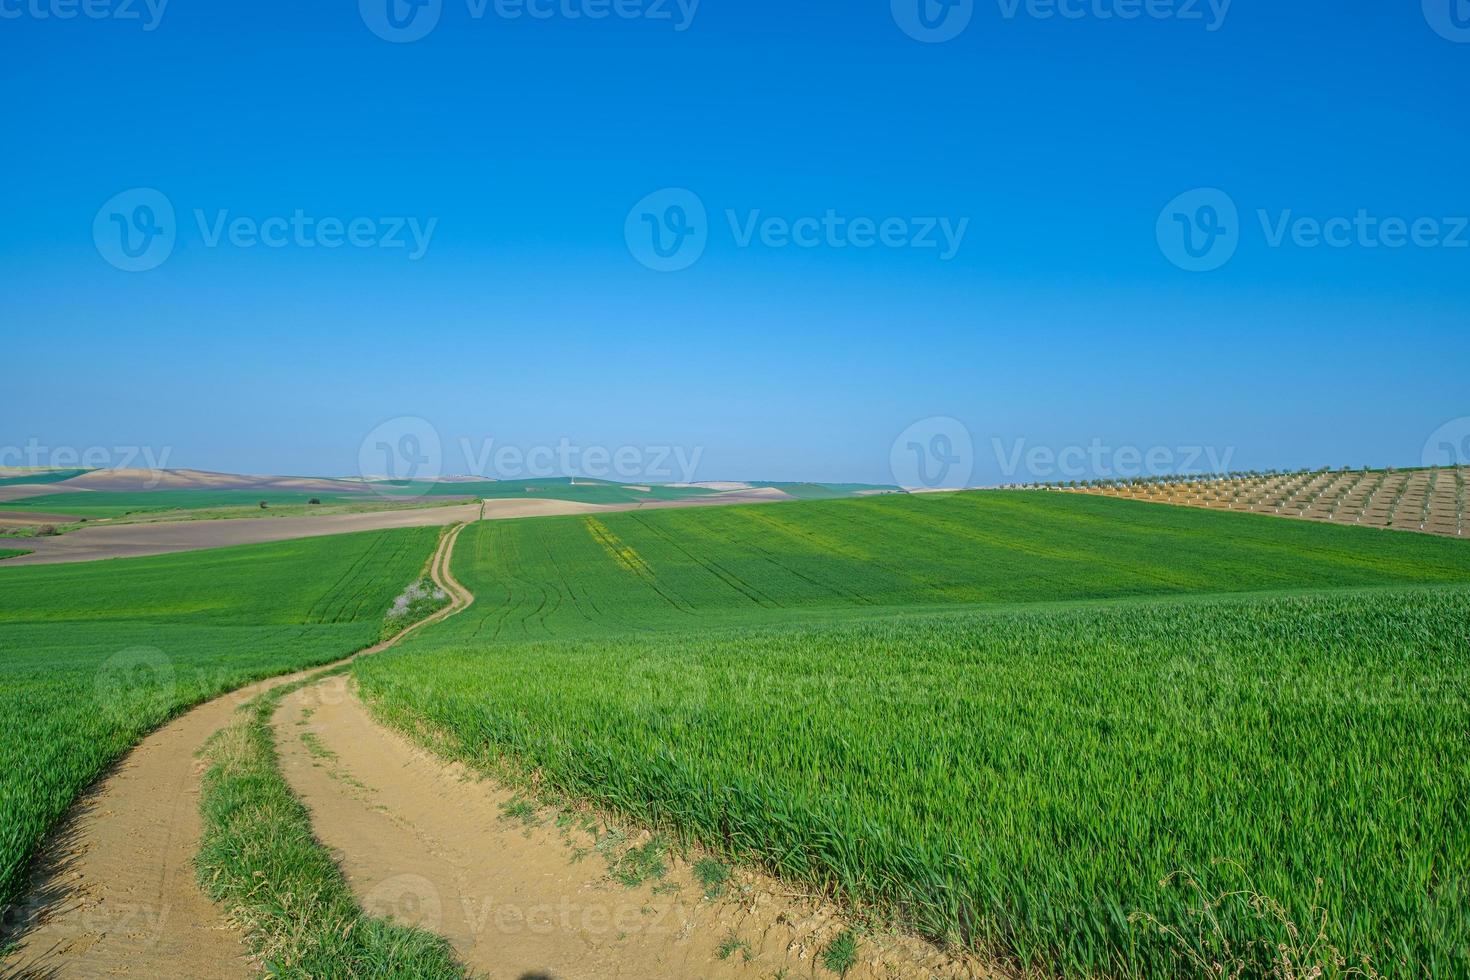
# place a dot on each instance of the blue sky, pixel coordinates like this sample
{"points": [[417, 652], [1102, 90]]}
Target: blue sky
{"points": [[521, 145]]}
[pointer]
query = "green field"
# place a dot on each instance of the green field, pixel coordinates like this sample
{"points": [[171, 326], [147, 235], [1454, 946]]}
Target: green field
{"points": [[94, 655], [41, 477], [11, 553], [922, 702]]}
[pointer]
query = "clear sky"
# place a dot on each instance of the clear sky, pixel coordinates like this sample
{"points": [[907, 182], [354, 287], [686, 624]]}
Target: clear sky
{"points": [[978, 219]]}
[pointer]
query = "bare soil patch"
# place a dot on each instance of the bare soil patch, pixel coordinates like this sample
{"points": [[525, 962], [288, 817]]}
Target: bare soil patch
{"points": [[165, 537], [144, 479], [101, 541]]}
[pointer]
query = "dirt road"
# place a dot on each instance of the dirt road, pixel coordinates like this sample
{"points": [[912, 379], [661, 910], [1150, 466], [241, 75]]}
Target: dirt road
{"points": [[524, 894], [114, 893], [517, 891]]}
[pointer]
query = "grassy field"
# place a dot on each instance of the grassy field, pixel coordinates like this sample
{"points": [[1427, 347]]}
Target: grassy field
{"points": [[11, 553], [40, 477], [94, 655], [924, 703]]}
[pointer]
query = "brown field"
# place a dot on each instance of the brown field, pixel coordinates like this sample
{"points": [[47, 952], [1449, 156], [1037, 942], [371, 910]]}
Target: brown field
{"points": [[20, 491], [98, 541], [141, 479], [1430, 501]]}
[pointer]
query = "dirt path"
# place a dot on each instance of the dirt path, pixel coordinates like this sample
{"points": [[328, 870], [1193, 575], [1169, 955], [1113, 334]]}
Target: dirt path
{"points": [[519, 893], [113, 893], [533, 895]]}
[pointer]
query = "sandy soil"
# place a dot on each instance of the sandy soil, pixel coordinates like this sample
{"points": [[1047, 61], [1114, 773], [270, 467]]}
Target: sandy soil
{"points": [[17, 518], [429, 843], [113, 893]]}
